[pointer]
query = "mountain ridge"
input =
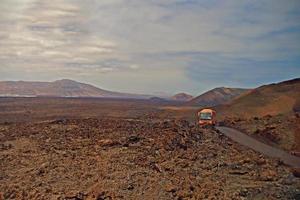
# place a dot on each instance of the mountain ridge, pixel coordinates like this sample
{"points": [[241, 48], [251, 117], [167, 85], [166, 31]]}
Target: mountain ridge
{"points": [[60, 88], [265, 100], [182, 96], [217, 96]]}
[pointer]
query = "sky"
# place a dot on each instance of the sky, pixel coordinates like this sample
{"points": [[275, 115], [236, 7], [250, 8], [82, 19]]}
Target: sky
{"points": [[151, 46]]}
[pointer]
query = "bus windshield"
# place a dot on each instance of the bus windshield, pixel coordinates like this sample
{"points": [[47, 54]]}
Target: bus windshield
{"points": [[205, 116]]}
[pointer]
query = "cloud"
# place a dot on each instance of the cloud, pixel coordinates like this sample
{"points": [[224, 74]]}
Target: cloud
{"points": [[133, 66], [108, 42]]}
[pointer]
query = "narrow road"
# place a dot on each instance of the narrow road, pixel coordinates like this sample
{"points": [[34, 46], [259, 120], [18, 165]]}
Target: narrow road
{"points": [[258, 146]]}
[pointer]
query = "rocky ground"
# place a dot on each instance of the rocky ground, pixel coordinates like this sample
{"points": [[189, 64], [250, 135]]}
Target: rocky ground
{"points": [[122, 158], [282, 131]]}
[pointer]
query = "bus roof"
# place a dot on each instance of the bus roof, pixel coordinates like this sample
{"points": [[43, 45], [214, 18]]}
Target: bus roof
{"points": [[207, 110]]}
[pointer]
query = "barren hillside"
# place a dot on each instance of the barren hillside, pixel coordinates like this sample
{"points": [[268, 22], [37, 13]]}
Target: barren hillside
{"points": [[60, 88], [182, 97], [273, 99], [269, 113], [216, 96]]}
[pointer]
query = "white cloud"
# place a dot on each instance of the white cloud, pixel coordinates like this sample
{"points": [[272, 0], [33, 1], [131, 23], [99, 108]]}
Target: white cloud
{"points": [[115, 38], [134, 66]]}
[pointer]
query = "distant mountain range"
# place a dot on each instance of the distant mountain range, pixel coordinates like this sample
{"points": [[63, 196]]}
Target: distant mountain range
{"points": [[217, 96], [270, 99], [70, 88], [273, 99], [60, 88]]}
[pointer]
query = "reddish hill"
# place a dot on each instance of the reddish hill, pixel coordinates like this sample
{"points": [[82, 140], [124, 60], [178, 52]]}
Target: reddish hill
{"points": [[268, 113], [273, 99], [182, 97], [217, 96], [60, 88]]}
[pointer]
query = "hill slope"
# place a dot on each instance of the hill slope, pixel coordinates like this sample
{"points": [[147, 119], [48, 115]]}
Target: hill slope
{"points": [[217, 96], [60, 88], [270, 99], [182, 97]]}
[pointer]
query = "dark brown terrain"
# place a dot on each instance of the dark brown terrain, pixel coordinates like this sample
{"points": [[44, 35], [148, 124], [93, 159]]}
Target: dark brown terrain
{"points": [[61, 148], [280, 131]]}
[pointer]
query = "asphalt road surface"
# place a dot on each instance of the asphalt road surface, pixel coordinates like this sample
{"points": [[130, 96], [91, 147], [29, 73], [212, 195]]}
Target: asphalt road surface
{"points": [[258, 146]]}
